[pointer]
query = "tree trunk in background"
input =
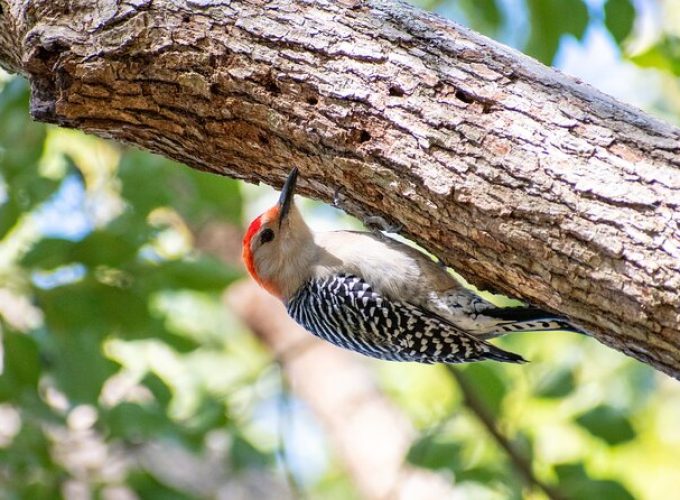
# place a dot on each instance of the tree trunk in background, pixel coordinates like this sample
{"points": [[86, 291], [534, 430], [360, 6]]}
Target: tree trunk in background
{"points": [[370, 435], [510, 172]]}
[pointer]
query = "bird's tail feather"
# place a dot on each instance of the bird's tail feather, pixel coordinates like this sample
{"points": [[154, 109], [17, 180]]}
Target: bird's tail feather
{"points": [[526, 319], [497, 354]]}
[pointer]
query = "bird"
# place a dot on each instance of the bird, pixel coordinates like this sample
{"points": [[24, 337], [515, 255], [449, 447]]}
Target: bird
{"points": [[374, 295]]}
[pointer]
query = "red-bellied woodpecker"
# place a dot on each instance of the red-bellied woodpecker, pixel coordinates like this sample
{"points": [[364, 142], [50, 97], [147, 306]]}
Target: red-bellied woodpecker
{"points": [[376, 296]]}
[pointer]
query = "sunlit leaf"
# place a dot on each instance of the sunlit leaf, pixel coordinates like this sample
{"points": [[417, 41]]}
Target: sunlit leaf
{"points": [[664, 55], [608, 424]]}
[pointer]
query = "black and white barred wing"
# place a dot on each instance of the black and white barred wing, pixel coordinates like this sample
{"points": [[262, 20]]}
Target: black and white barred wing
{"points": [[346, 311]]}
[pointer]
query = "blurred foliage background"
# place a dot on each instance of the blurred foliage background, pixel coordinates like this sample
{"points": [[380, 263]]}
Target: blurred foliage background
{"points": [[123, 374]]}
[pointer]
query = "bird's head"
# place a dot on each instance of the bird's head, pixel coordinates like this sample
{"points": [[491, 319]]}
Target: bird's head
{"points": [[278, 245]]}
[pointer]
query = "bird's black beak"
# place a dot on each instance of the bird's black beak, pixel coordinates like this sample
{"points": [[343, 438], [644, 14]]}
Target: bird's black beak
{"points": [[287, 192]]}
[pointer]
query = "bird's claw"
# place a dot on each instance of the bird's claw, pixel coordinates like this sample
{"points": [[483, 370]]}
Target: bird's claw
{"points": [[378, 223], [336, 197]]}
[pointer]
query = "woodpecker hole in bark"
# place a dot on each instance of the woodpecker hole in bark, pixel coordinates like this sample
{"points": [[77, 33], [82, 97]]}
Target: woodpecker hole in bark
{"points": [[271, 86], [463, 96]]}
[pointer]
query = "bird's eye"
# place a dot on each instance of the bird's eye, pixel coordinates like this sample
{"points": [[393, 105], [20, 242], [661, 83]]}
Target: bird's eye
{"points": [[266, 236]]}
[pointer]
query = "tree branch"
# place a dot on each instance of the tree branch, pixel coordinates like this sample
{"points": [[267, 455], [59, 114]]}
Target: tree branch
{"points": [[519, 461], [510, 172]]}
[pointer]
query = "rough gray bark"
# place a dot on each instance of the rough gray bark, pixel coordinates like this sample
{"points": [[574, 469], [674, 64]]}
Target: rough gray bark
{"points": [[512, 173]]}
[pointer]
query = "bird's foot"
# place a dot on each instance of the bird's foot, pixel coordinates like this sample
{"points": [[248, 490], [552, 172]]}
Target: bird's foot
{"points": [[378, 223], [337, 194]]}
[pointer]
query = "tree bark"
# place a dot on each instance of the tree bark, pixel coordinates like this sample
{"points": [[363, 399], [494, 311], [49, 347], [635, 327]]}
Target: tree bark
{"points": [[510, 172]]}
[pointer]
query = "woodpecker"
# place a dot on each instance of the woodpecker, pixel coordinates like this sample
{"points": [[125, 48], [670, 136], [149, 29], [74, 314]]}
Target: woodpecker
{"points": [[371, 294]]}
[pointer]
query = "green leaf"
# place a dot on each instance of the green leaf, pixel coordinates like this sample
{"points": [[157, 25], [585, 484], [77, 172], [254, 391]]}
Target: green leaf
{"points": [[9, 215], [483, 15], [211, 414], [101, 308], [80, 367], [550, 20], [664, 55], [575, 483], [104, 247], [149, 488], [161, 392], [556, 384], [619, 16], [481, 475], [197, 273], [213, 197], [198, 196], [180, 343], [245, 456], [608, 424], [21, 365], [99, 248], [136, 422], [487, 384], [21, 147], [431, 452], [49, 253], [30, 451], [137, 171], [20, 137]]}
